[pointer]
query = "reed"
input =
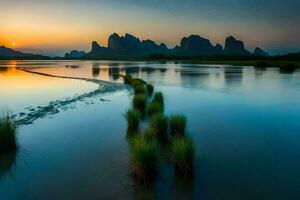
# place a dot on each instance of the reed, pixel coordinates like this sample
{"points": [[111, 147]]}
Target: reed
{"points": [[133, 121], [140, 102], [159, 98], [159, 124], [144, 155], [154, 108], [150, 89], [8, 130], [183, 149], [177, 125]]}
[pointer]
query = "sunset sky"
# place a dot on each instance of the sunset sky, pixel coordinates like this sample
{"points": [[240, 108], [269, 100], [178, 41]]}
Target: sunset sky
{"points": [[54, 27]]}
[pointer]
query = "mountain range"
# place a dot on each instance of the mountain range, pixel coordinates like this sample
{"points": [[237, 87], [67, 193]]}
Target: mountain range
{"points": [[129, 46], [8, 53]]}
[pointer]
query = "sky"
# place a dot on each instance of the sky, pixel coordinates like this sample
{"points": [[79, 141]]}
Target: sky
{"points": [[53, 27]]}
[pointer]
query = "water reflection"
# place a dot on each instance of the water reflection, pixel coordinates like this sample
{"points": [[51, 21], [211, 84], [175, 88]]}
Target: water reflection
{"points": [[233, 75], [183, 188], [7, 162], [95, 70], [114, 73], [3, 69], [290, 69]]}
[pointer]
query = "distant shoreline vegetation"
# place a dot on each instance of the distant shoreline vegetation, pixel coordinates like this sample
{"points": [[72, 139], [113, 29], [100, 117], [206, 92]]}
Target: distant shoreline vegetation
{"points": [[276, 61]]}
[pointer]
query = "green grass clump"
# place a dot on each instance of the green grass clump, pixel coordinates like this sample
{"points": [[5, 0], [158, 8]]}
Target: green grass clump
{"points": [[154, 108], [144, 155], [128, 79], [8, 131], [149, 134], [133, 121], [177, 125], [135, 82], [150, 89], [140, 89], [183, 149], [140, 102], [159, 98], [159, 124]]}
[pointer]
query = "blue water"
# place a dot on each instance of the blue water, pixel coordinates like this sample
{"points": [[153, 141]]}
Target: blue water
{"points": [[244, 123]]}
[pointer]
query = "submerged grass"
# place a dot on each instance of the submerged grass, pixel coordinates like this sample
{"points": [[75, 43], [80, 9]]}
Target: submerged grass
{"points": [[8, 131], [183, 149], [159, 124], [128, 79], [177, 125], [133, 121], [150, 89], [144, 148], [144, 155], [154, 108], [159, 98], [140, 102], [139, 89]]}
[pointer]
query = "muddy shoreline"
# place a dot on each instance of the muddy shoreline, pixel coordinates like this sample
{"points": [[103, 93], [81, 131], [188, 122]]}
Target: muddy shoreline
{"points": [[34, 113]]}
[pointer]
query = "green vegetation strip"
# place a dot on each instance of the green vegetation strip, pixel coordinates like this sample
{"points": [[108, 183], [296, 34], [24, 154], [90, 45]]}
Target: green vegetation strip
{"points": [[161, 131]]}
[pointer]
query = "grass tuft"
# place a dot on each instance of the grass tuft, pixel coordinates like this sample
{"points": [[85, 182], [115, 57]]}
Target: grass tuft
{"points": [[183, 149], [177, 125], [128, 79], [154, 108], [8, 131], [140, 89], [159, 124], [140, 102], [150, 89], [149, 134], [159, 98], [144, 155], [133, 121]]}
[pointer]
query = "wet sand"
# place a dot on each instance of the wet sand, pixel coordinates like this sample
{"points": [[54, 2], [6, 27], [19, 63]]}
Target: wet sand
{"points": [[56, 106]]}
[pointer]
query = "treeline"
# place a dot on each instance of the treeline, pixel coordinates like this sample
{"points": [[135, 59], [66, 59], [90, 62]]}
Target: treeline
{"points": [[292, 56]]}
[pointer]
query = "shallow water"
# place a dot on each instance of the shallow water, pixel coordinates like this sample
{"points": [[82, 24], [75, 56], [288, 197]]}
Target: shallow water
{"points": [[244, 122]]}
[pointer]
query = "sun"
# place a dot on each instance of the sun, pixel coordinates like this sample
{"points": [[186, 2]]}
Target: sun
{"points": [[13, 44]]}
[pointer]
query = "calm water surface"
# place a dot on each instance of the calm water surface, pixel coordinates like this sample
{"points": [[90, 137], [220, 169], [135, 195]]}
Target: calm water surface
{"points": [[244, 123]]}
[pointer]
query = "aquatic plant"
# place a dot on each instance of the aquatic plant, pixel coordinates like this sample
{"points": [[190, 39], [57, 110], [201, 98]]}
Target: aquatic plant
{"points": [[159, 98], [159, 124], [8, 131], [177, 125], [154, 108], [139, 102], [136, 82], [140, 89], [144, 155], [183, 149], [150, 89], [133, 120], [149, 134], [128, 79]]}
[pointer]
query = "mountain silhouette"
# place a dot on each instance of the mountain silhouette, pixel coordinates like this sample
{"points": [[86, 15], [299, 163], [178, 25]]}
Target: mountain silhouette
{"points": [[195, 45], [259, 52], [235, 47], [129, 46], [12, 54], [75, 54]]}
